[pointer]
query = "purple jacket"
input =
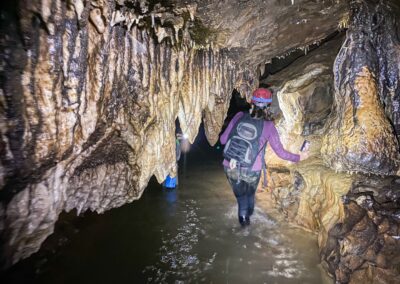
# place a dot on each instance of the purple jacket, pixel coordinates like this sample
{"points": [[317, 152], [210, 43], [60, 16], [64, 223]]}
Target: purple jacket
{"points": [[269, 134]]}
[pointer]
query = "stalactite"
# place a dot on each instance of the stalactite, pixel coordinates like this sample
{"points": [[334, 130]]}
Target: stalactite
{"points": [[100, 94]]}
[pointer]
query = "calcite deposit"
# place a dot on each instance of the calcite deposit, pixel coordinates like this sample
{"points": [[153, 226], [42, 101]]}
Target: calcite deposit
{"points": [[308, 193], [304, 93], [361, 137], [91, 91], [356, 218], [260, 29]]}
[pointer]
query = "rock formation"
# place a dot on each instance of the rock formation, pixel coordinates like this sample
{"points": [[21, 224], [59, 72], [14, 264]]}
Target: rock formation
{"points": [[91, 91], [259, 29], [307, 193], [364, 245], [361, 137], [355, 215]]}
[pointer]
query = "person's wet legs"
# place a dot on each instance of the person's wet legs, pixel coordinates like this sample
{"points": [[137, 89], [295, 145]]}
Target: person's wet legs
{"points": [[251, 192], [250, 202], [244, 191], [240, 191]]}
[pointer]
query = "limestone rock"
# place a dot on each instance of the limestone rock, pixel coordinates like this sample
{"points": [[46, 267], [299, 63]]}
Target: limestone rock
{"points": [[91, 91], [356, 216], [313, 198], [306, 99], [365, 243], [305, 95], [361, 137]]}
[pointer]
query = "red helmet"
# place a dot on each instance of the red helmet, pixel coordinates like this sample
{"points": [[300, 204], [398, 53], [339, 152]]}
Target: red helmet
{"points": [[261, 96]]}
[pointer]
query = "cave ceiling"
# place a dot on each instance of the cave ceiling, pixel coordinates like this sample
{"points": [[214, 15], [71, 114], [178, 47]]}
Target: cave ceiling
{"points": [[254, 31], [262, 29]]}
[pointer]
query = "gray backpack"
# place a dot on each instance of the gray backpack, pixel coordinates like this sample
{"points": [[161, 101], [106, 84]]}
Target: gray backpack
{"points": [[243, 143]]}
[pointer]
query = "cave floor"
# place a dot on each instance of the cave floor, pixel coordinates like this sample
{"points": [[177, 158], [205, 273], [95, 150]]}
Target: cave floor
{"points": [[189, 234]]}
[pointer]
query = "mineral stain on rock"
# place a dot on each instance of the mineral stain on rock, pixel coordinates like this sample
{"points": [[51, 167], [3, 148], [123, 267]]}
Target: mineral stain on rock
{"points": [[90, 92]]}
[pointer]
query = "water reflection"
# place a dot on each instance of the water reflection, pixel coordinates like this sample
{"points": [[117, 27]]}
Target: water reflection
{"points": [[170, 195], [178, 258]]}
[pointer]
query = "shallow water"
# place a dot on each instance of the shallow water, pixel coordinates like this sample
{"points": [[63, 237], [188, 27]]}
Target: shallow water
{"points": [[186, 235]]}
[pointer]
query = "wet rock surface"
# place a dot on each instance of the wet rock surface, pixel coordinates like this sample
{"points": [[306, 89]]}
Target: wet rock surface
{"points": [[361, 137], [304, 92], [365, 244], [259, 29], [355, 215]]}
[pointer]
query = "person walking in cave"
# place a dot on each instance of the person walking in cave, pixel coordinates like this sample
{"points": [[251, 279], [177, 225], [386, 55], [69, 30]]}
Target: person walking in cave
{"points": [[170, 181], [245, 141]]}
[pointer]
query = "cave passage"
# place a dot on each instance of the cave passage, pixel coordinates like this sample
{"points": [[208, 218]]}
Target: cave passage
{"points": [[92, 94], [187, 234]]}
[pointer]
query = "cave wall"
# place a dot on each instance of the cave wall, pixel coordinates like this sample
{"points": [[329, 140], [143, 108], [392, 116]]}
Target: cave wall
{"points": [[309, 193], [365, 244], [362, 137], [91, 92], [348, 190]]}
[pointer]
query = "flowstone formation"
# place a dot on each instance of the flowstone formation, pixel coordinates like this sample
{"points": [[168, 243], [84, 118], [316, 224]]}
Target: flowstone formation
{"points": [[356, 215], [308, 193], [361, 137]]}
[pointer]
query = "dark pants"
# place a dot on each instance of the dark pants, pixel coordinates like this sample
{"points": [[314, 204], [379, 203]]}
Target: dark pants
{"points": [[244, 186]]}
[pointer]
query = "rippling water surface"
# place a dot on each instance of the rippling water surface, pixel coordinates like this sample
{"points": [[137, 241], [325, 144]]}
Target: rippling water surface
{"points": [[186, 235]]}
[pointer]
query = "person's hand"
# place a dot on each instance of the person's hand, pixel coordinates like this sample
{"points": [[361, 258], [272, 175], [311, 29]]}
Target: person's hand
{"points": [[304, 155], [232, 164]]}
